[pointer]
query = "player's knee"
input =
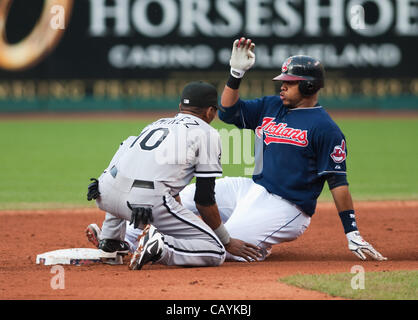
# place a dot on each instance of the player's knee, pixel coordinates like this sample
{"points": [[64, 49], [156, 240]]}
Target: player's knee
{"points": [[292, 233], [212, 261], [221, 259]]}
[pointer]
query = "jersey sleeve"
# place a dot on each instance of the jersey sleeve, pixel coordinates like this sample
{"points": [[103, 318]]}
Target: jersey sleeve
{"points": [[244, 114], [208, 155], [331, 153]]}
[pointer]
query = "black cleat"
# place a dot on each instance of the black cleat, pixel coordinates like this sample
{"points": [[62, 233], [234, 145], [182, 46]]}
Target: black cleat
{"points": [[110, 245]]}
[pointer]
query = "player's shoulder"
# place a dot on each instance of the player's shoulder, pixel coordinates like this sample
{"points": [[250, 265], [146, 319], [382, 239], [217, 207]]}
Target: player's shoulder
{"points": [[199, 123], [272, 98], [209, 129], [181, 120], [162, 121], [196, 125], [263, 101], [268, 101], [265, 105], [326, 117], [324, 121], [128, 140]]}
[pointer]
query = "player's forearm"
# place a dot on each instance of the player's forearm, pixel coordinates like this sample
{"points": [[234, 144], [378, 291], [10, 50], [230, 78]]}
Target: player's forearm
{"points": [[229, 97], [342, 198], [210, 215], [345, 207]]}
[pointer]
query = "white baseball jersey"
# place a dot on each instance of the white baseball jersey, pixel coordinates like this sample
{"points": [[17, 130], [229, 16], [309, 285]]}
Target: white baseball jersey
{"points": [[172, 151], [149, 170]]}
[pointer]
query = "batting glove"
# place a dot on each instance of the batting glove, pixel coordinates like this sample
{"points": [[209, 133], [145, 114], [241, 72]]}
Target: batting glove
{"points": [[140, 215], [242, 57], [93, 190], [359, 247]]}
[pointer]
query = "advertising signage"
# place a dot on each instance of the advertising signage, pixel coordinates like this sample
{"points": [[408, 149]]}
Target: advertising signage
{"points": [[149, 48]]}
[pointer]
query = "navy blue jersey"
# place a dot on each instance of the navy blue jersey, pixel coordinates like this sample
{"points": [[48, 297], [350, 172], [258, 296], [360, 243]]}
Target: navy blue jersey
{"points": [[300, 147]]}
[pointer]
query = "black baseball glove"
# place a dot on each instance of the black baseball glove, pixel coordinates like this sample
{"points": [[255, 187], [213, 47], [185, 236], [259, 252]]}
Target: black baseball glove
{"points": [[93, 189], [140, 215]]}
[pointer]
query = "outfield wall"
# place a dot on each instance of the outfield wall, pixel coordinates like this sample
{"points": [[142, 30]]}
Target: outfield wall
{"points": [[65, 97], [100, 55]]}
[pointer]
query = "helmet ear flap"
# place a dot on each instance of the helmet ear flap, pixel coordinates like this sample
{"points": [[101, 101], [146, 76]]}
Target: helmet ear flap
{"points": [[308, 87]]}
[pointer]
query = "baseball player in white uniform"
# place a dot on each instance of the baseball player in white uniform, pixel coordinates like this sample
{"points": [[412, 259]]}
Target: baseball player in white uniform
{"points": [[142, 183]]}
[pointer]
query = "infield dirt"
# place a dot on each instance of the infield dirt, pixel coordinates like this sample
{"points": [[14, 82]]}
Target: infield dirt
{"points": [[389, 226]]}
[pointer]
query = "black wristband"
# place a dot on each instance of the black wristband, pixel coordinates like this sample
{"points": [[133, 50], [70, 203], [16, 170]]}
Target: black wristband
{"points": [[348, 218], [233, 82]]}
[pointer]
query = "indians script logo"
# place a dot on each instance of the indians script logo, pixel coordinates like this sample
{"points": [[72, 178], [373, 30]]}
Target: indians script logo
{"points": [[339, 155], [41, 40], [281, 133], [286, 64]]}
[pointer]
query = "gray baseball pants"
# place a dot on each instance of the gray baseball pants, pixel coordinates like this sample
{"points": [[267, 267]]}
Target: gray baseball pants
{"points": [[188, 241]]}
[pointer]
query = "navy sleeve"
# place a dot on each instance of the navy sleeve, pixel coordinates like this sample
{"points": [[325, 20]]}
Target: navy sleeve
{"points": [[331, 152], [244, 114]]}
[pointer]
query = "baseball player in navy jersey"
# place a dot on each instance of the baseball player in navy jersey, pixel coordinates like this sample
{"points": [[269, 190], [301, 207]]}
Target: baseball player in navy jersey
{"points": [[142, 183], [298, 147]]}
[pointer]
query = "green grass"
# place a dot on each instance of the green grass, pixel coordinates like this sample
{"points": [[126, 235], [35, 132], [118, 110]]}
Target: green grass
{"points": [[392, 285], [382, 158], [49, 163]]}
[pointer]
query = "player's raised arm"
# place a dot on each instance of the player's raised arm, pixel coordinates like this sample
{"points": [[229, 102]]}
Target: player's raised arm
{"points": [[242, 59], [356, 243]]}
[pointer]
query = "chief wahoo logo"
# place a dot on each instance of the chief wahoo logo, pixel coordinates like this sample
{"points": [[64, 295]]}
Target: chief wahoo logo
{"points": [[285, 65], [339, 155]]}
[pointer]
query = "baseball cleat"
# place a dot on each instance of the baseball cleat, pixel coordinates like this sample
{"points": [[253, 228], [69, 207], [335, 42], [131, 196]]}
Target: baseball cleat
{"points": [[110, 245], [93, 234], [150, 248]]}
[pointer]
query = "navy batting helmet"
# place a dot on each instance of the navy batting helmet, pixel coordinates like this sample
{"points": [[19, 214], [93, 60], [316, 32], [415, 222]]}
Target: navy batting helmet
{"points": [[307, 70]]}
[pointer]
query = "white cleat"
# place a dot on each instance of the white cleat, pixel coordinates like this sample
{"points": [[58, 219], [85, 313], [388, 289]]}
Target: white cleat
{"points": [[93, 234]]}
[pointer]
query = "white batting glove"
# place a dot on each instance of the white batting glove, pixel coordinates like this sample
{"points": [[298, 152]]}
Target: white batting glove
{"points": [[242, 57], [359, 247]]}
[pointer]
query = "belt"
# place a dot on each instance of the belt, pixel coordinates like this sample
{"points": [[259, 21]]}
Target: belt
{"points": [[136, 183]]}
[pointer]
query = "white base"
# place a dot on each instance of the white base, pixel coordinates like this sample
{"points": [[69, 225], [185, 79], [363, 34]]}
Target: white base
{"points": [[78, 256]]}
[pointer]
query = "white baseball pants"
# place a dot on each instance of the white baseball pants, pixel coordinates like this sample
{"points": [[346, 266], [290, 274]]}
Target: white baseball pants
{"points": [[250, 213]]}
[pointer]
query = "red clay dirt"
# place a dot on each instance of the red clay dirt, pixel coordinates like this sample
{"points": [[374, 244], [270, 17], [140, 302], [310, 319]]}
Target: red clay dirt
{"points": [[390, 226]]}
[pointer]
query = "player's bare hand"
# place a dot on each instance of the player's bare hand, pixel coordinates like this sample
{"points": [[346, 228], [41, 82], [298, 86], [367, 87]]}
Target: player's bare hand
{"points": [[243, 249], [360, 247]]}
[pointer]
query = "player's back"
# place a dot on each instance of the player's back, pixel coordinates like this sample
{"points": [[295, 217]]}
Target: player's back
{"points": [[169, 150]]}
